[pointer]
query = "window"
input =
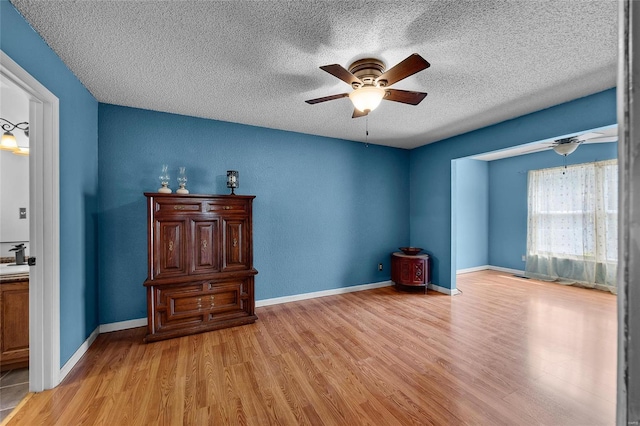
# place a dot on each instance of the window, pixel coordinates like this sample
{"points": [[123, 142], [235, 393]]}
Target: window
{"points": [[572, 223]]}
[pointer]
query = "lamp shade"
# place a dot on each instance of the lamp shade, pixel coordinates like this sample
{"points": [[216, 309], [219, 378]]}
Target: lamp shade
{"points": [[366, 98], [565, 148], [8, 142]]}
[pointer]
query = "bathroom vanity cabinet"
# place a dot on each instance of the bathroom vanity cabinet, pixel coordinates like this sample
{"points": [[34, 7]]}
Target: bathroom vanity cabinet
{"points": [[14, 324], [200, 263]]}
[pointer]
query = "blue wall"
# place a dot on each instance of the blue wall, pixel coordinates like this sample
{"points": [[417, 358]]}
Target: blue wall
{"points": [[326, 212], [470, 229], [78, 177], [430, 168], [508, 198]]}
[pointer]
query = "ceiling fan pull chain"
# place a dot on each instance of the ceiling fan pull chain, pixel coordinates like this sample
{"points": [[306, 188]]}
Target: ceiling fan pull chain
{"points": [[366, 133]]}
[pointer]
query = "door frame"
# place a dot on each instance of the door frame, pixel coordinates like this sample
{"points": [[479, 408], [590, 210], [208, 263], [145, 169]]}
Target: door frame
{"points": [[44, 227], [628, 395]]}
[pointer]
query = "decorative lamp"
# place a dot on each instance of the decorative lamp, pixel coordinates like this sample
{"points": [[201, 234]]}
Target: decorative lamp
{"points": [[367, 98], [182, 181], [8, 142], [232, 180], [164, 180]]}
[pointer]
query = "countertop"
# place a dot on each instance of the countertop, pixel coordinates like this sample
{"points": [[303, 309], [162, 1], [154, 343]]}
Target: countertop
{"points": [[6, 278]]}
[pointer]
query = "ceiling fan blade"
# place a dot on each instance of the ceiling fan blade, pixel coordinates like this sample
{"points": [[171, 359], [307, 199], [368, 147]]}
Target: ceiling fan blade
{"points": [[326, 98], [590, 135], [413, 64], [357, 113], [344, 75], [602, 139], [404, 96]]}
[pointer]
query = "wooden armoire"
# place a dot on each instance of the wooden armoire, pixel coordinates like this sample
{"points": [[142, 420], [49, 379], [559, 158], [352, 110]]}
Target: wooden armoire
{"points": [[200, 266]]}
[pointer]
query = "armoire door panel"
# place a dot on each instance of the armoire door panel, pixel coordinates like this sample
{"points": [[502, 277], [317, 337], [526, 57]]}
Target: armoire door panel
{"points": [[171, 252], [206, 255], [235, 246]]}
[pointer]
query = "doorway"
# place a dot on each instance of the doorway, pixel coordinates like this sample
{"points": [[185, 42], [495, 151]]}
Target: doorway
{"points": [[14, 247], [44, 226]]}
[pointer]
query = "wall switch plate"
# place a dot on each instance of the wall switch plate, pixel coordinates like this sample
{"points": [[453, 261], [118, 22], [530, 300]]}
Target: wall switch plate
{"points": [[379, 266], [23, 213], [524, 258]]}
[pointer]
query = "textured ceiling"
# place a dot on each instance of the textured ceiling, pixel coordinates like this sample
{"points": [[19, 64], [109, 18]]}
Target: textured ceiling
{"points": [[256, 62]]}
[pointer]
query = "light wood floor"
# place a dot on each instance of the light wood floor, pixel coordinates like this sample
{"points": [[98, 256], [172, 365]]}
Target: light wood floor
{"points": [[507, 351]]}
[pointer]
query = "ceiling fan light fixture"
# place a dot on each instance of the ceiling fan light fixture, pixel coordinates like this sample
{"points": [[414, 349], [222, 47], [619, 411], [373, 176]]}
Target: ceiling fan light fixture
{"points": [[367, 98], [565, 148]]}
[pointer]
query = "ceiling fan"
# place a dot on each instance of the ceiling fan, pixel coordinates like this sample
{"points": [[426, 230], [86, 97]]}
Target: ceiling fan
{"points": [[566, 146], [371, 82]]}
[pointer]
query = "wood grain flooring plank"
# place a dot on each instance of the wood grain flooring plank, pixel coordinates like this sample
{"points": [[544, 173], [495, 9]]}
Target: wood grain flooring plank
{"points": [[508, 351]]}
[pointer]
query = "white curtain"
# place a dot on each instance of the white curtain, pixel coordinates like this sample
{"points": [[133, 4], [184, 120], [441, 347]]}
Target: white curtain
{"points": [[572, 232]]}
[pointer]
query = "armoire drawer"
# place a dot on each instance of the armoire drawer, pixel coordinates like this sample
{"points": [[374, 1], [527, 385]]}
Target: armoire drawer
{"points": [[200, 305]]}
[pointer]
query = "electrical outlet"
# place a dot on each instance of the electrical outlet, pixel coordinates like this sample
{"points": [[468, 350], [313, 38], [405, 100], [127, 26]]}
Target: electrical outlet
{"points": [[23, 213], [379, 266], [524, 258]]}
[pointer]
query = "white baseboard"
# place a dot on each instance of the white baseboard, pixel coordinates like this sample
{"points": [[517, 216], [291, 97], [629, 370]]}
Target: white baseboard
{"points": [[123, 325], [507, 270], [103, 328], [66, 368], [312, 295], [491, 267], [473, 269], [444, 290]]}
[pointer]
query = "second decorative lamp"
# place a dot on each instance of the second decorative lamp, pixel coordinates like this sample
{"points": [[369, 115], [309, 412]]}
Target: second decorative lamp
{"points": [[182, 181], [232, 180]]}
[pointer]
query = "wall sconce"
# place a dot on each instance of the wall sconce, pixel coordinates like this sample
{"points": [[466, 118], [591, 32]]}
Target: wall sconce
{"points": [[232, 180], [8, 142]]}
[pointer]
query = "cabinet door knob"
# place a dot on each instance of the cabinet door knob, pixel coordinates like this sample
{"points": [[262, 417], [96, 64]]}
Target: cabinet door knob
{"points": [[227, 207]]}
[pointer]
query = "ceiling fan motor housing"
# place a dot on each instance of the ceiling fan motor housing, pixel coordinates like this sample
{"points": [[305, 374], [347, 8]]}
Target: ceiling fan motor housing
{"points": [[572, 139], [367, 70]]}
